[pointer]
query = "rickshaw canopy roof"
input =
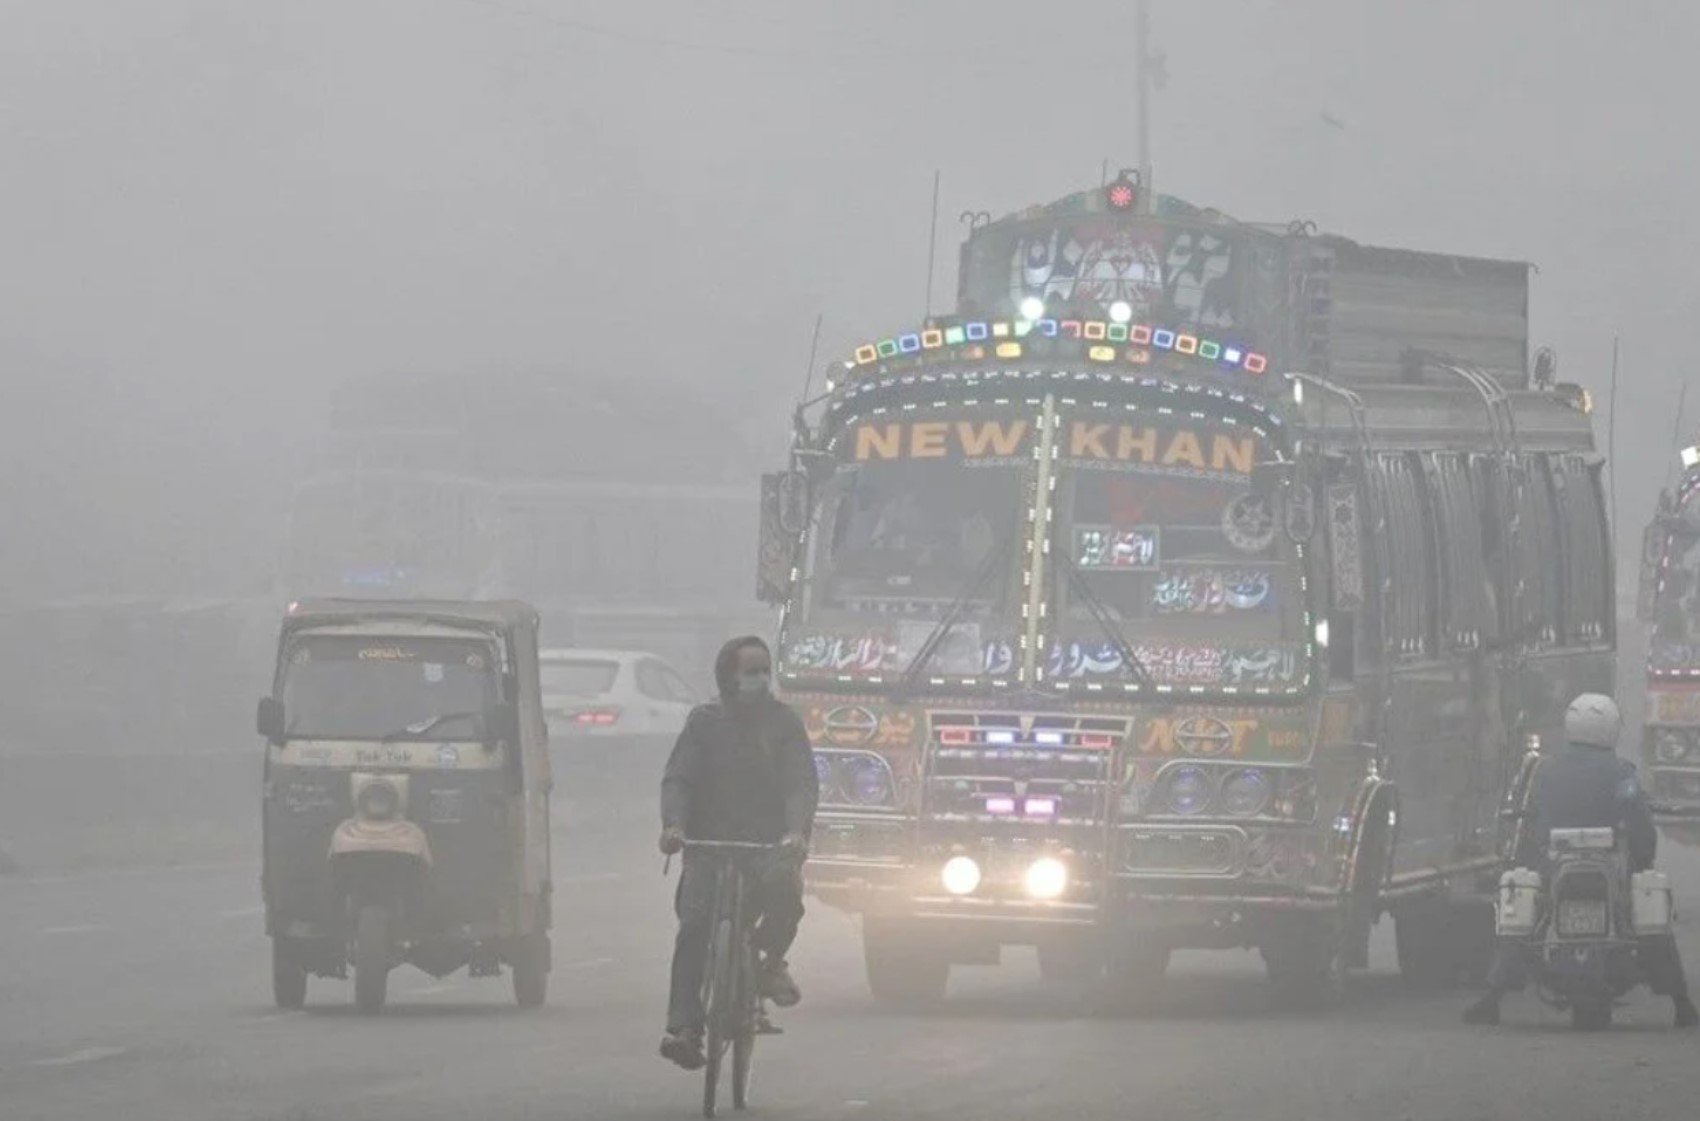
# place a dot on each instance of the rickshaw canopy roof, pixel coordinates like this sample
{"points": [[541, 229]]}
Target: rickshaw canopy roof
{"points": [[505, 616]]}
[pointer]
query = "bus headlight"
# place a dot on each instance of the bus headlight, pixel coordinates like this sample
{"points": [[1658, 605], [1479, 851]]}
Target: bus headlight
{"points": [[1047, 878], [1189, 790], [1671, 745], [868, 780], [961, 875], [1246, 793]]}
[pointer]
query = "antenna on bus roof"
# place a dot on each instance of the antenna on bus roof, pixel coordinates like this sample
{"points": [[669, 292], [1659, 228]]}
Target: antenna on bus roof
{"points": [[1676, 432], [1152, 71], [814, 349], [809, 371], [932, 244], [1611, 436]]}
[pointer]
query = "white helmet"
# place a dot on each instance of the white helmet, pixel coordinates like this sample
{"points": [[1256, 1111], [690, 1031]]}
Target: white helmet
{"points": [[1592, 719]]}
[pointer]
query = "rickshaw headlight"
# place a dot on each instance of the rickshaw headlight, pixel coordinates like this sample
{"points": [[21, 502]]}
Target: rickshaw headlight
{"points": [[378, 801], [1047, 878]]}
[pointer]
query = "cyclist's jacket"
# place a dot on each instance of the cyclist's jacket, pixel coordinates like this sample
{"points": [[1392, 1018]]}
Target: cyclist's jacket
{"points": [[741, 771]]}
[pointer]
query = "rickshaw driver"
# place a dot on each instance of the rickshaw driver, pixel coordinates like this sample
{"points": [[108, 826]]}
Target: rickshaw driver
{"points": [[742, 770]]}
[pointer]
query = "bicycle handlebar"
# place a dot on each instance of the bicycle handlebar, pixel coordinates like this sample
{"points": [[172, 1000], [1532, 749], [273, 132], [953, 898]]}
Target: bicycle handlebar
{"points": [[745, 846]]}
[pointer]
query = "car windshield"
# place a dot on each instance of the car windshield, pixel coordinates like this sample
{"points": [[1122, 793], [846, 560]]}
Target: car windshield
{"points": [[587, 677], [372, 687], [916, 517], [1186, 563]]}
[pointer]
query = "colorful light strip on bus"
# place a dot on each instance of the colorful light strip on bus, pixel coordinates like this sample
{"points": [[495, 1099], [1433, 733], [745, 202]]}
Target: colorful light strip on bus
{"points": [[1005, 338]]}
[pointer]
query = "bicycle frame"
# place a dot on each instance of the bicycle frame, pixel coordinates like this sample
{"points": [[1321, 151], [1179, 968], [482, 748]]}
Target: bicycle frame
{"points": [[732, 1006]]}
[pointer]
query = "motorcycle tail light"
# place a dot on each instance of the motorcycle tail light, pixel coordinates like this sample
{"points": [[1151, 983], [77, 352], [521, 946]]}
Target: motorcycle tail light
{"points": [[597, 717]]}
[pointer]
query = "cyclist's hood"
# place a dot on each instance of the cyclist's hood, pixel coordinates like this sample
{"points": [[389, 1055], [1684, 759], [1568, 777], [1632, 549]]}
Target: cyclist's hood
{"points": [[726, 664]]}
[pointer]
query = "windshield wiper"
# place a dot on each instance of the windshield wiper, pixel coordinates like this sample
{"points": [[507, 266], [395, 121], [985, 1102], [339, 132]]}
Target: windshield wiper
{"points": [[998, 556], [424, 726], [1105, 621]]}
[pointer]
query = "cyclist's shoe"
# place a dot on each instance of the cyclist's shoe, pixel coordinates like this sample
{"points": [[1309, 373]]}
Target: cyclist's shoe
{"points": [[777, 984], [683, 1049]]}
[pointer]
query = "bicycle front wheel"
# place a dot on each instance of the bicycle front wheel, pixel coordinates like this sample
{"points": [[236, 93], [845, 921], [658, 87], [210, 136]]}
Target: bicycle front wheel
{"points": [[719, 1010], [744, 1042]]}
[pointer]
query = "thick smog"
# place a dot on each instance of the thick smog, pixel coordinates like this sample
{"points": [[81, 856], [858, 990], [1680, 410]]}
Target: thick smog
{"points": [[848, 561]]}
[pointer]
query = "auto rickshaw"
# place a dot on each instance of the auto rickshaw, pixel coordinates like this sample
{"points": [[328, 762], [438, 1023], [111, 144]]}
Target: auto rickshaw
{"points": [[406, 804]]}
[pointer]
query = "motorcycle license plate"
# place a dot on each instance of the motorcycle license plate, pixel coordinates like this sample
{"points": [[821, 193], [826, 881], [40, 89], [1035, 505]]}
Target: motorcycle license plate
{"points": [[1581, 917]]}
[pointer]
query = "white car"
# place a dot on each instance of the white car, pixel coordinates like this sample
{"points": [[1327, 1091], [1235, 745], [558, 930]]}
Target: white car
{"points": [[612, 693]]}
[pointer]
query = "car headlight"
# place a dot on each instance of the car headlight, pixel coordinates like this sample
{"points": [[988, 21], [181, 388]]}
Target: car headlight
{"points": [[1671, 745], [961, 875], [868, 780], [1188, 790], [1246, 793], [378, 801], [1047, 878]]}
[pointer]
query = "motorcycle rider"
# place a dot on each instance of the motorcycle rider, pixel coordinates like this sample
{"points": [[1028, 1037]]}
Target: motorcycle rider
{"points": [[742, 770], [1585, 785]]}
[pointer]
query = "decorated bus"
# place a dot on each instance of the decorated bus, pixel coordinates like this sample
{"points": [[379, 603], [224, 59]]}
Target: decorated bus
{"points": [[1198, 584], [1669, 608]]}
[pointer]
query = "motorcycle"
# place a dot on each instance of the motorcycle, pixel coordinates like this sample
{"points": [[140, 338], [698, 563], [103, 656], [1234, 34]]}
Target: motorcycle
{"points": [[1581, 927]]}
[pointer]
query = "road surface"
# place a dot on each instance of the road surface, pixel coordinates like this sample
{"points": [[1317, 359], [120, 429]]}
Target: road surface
{"points": [[145, 995]]}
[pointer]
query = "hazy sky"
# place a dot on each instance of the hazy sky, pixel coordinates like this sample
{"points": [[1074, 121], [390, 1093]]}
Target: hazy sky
{"points": [[212, 211]]}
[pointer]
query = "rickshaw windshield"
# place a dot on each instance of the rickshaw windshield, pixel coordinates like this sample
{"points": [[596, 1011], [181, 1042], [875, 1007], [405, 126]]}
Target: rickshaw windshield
{"points": [[360, 687]]}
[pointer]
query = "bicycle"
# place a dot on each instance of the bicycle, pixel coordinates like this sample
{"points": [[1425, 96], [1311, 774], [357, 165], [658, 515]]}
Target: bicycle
{"points": [[733, 1012]]}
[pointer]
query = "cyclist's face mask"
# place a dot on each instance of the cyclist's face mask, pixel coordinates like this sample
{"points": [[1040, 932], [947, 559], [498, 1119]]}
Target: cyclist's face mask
{"points": [[755, 675], [755, 683]]}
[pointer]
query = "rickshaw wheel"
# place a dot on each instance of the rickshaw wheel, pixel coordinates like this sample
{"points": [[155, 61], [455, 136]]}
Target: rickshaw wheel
{"points": [[371, 958], [289, 981], [530, 967]]}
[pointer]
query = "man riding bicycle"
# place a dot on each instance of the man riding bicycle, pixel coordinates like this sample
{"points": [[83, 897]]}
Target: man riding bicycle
{"points": [[742, 770]]}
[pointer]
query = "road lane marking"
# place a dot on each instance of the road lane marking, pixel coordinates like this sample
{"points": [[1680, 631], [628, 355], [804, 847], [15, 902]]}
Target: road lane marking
{"points": [[431, 990], [592, 878], [86, 1055], [74, 928], [592, 963]]}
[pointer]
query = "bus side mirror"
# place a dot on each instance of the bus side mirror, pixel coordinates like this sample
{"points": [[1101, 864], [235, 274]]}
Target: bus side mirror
{"points": [[268, 719], [784, 512], [1287, 492]]}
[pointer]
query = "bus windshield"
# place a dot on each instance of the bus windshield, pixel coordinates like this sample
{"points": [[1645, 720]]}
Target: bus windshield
{"points": [[1166, 540], [917, 517]]}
